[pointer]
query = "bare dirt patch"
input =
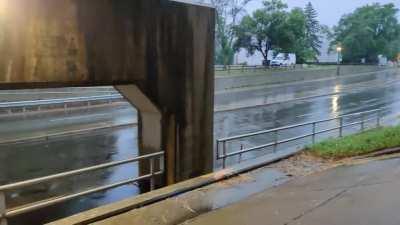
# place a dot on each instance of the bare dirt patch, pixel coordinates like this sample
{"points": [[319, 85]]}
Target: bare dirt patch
{"points": [[304, 164]]}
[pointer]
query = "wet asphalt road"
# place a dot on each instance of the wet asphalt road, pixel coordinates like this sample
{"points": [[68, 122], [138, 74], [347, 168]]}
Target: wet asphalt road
{"points": [[235, 114]]}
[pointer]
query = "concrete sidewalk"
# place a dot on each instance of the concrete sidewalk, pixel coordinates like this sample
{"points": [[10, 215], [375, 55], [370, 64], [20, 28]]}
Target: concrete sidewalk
{"points": [[365, 194]]}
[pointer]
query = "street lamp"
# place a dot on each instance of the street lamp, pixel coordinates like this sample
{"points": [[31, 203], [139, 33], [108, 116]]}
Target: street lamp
{"points": [[339, 52]]}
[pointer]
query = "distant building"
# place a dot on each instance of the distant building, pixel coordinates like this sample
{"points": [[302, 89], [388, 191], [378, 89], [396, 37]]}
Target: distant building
{"points": [[243, 58], [326, 55]]}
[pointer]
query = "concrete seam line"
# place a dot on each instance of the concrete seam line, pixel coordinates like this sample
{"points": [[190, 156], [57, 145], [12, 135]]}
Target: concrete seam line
{"points": [[205, 181]]}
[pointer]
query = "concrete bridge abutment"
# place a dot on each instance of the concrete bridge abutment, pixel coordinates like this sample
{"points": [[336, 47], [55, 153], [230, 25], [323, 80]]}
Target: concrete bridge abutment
{"points": [[158, 53]]}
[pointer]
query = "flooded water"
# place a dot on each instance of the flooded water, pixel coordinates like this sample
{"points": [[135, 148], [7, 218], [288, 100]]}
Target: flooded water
{"points": [[235, 114]]}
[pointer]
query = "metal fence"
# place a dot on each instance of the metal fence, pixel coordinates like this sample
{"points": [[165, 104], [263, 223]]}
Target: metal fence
{"points": [[62, 102], [6, 213], [364, 117], [243, 68]]}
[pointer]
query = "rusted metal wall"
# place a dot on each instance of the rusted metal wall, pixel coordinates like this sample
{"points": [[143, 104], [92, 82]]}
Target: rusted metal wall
{"points": [[163, 47]]}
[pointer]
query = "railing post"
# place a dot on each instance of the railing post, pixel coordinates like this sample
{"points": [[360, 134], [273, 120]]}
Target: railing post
{"points": [[240, 155], [341, 127], [314, 129], [217, 150], [3, 209], [224, 154], [161, 164], [152, 172], [276, 140]]}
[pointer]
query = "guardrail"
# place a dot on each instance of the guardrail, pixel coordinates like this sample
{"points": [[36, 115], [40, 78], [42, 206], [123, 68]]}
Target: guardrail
{"points": [[364, 118], [62, 101], [244, 68], [6, 213]]}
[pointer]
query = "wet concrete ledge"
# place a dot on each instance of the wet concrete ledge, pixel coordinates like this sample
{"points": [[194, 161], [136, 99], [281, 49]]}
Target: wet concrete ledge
{"points": [[116, 209]]}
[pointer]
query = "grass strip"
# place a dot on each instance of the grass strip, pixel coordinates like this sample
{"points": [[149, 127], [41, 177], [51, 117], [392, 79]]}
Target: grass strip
{"points": [[357, 144]]}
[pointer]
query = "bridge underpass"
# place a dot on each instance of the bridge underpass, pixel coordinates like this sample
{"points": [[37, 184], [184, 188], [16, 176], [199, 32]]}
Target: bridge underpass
{"points": [[157, 53], [380, 101]]}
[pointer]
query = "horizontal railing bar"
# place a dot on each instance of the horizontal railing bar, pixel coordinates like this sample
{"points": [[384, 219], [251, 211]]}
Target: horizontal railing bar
{"points": [[295, 138], [328, 130], [31, 182], [265, 146], [247, 150], [58, 101], [292, 139], [352, 124], [269, 131], [46, 203], [291, 126]]}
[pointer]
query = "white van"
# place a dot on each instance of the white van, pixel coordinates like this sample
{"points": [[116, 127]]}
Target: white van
{"points": [[284, 60]]}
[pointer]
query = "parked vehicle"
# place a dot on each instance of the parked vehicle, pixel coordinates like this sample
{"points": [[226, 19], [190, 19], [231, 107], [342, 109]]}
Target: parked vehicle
{"points": [[284, 60], [382, 60]]}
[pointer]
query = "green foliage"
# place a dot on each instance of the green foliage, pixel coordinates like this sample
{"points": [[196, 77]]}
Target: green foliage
{"points": [[313, 30], [368, 32], [273, 27], [228, 13], [358, 144]]}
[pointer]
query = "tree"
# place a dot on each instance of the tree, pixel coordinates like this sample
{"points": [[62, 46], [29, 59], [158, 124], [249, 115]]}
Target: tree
{"points": [[227, 17], [313, 30], [369, 31], [259, 32], [273, 28]]}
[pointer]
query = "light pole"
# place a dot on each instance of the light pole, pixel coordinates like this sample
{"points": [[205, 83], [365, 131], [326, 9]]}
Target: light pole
{"points": [[339, 52]]}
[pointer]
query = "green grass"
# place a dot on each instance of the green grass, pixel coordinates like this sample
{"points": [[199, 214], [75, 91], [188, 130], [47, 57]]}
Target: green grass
{"points": [[358, 144]]}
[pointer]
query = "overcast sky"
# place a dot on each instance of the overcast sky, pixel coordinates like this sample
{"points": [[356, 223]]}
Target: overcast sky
{"points": [[330, 11]]}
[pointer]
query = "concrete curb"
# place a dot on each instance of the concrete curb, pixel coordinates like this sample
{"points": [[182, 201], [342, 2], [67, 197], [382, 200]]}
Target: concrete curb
{"points": [[149, 198], [64, 134], [389, 151]]}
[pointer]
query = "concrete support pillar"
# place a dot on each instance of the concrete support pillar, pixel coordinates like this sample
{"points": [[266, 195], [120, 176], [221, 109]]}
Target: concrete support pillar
{"points": [[149, 125]]}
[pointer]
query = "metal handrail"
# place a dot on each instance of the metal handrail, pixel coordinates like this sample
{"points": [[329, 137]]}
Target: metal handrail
{"points": [[6, 213], [223, 141], [291, 126]]}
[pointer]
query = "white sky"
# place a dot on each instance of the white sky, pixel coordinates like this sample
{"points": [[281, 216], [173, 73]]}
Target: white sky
{"points": [[330, 11]]}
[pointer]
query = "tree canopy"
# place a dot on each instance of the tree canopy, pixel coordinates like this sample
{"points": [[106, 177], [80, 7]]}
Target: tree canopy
{"points": [[313, 30], [227, 16], [369, 31], [273, 27]]}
